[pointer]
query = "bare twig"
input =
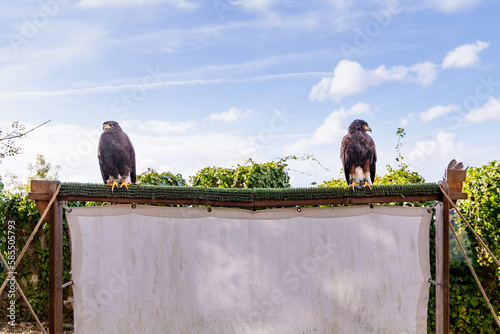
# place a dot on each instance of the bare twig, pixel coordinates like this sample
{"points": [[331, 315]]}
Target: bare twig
{"points": [[17, 135]]}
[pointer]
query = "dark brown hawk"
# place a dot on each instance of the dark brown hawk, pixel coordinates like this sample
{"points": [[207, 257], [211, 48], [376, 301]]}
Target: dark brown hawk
{"points": [[116, 156], [358, 155]]}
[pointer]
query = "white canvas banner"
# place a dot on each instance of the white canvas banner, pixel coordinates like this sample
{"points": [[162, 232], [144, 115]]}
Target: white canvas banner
{"points": [[187, 270]]}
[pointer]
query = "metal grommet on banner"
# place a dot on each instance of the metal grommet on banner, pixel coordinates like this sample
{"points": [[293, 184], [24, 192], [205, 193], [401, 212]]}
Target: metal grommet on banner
{"points": [[298, 208], [372, 206], [133, 206], [209, 209]]}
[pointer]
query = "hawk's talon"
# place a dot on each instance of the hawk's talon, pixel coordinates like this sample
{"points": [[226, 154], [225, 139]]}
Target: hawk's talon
{"points": [[113, 185], [125, 184], [354, 185], [368, 185]]}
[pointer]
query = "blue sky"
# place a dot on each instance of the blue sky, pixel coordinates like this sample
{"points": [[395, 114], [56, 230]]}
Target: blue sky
{"points": [[213, 83]]}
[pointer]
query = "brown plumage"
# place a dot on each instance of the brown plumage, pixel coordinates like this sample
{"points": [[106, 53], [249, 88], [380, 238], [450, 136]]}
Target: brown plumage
{"points": [[358, 155], [116, 156]]}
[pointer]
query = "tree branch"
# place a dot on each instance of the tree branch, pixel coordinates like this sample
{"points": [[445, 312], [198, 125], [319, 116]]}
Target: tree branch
{"points": [[14, 134]]}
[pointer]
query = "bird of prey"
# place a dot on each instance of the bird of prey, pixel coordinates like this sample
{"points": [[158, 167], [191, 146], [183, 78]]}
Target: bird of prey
{"points": [[116, 156], [358, 155]]}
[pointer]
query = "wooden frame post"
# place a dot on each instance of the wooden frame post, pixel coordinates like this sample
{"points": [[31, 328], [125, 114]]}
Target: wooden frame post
{"points": [[443, 265], [55, 265], [42, 192]]}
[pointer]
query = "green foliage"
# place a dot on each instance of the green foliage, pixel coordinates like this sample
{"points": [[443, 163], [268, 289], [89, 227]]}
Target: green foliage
{"points": [[32, 272], [402, 175], [400, 132], [455, 251], [339, 182], [252, 175], [217, 177], [482, 209], [152, 177], [469, 312], [8, 146]]}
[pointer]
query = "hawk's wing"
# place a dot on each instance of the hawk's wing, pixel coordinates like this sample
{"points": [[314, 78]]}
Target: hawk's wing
{"points": [[373, 159], [103, 154], [131, 162], [345, 157]]}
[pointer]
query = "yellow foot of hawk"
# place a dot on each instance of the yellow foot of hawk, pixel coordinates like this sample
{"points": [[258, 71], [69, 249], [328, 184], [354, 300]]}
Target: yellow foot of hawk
{"points": [[368, 185], [125, 184], [113, 185], [354, 185]]}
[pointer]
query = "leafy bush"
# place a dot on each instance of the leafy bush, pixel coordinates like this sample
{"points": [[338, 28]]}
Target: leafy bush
{"points": [[482, 211], [255, 175], [33, 270], [152, 177]]}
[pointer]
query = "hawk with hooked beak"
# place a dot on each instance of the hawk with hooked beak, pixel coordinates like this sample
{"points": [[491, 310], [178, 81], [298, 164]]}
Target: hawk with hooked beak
{"points": [[116, 156], [358, 155]]}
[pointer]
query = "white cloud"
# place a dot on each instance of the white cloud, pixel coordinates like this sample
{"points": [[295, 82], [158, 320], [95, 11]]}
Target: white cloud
{"points": [[464, 56], [437, 111], [453, 6], [404, 122], [230, 115], [351, 78], [490, 111], [348, 78], [182, 4], [407, 120], [442, 146], [425, 73], [331, 131]]}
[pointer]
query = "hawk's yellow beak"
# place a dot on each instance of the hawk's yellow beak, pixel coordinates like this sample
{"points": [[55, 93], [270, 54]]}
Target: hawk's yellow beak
{"points": [[106, 126], [367, 128]]}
